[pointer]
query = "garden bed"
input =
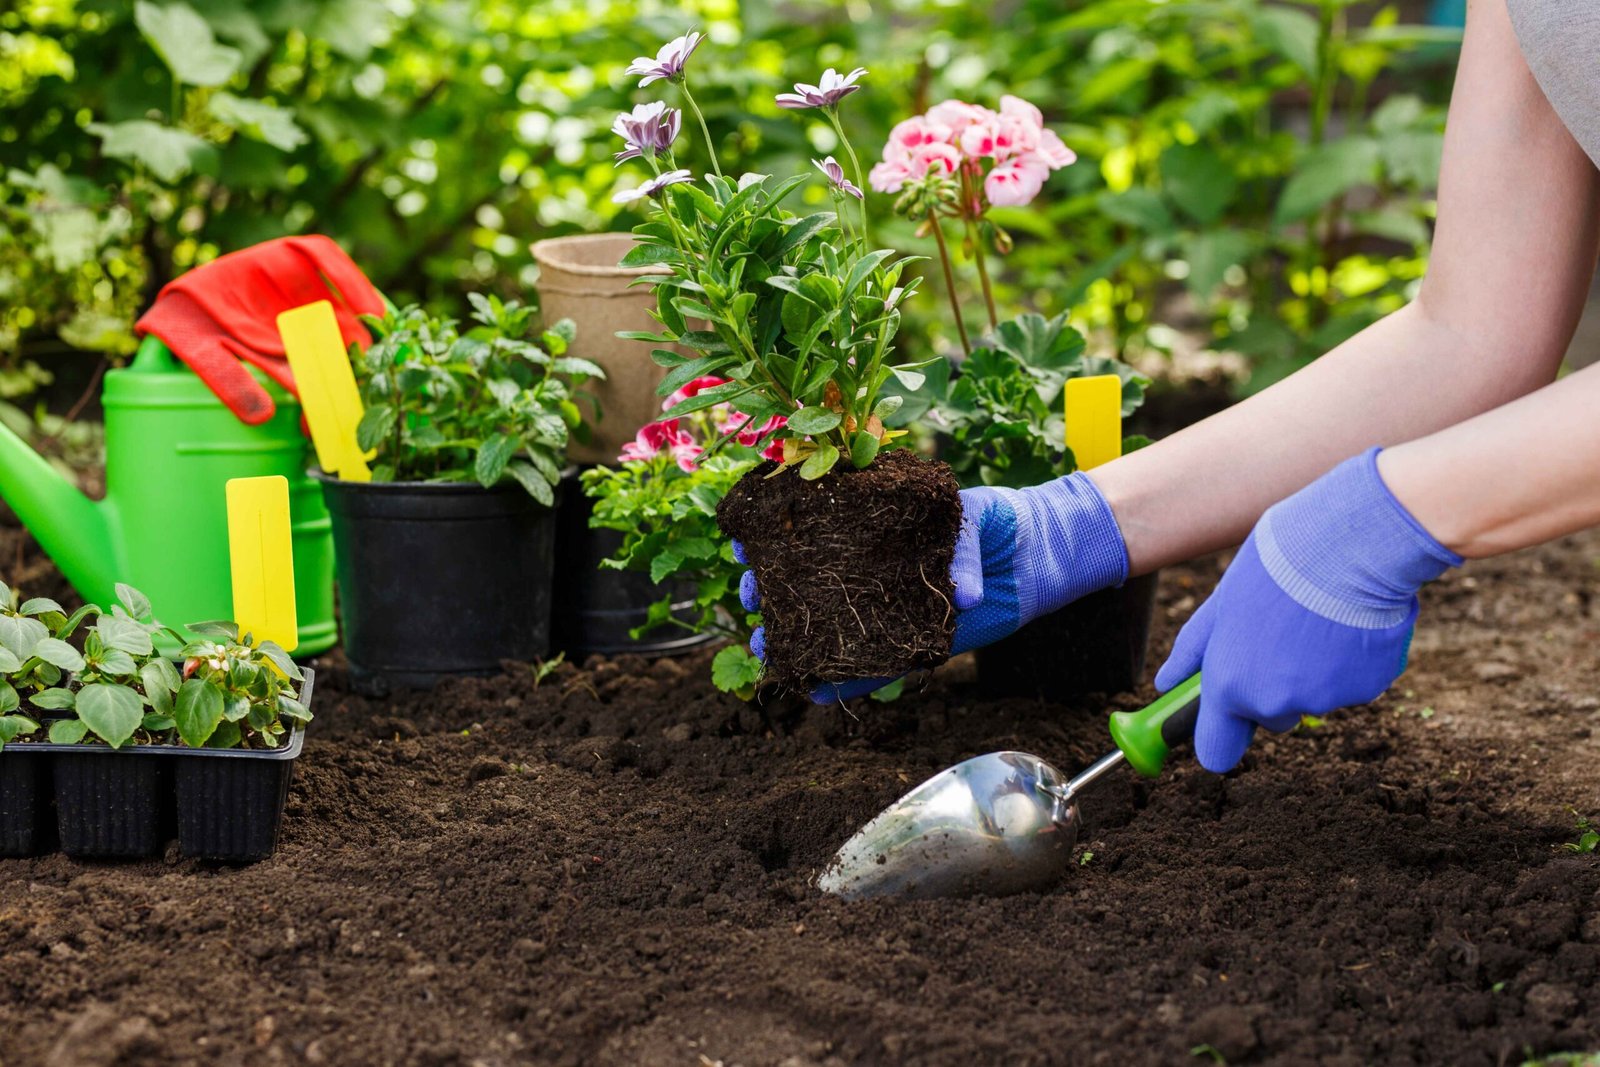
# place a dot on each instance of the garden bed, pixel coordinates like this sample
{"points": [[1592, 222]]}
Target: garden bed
{"points": [[613, 867]]}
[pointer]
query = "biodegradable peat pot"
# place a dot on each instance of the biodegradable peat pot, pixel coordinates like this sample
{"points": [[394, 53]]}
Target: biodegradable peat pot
{"points": [[1093, 645], [593, 608], [853, 568], [579, 280], [439, 579], [119, 803], [24, 800]]}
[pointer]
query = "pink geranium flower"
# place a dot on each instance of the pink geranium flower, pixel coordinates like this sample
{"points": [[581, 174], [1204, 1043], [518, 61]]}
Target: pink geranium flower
{"points": [[692, 389], [1015, 182], [956, 116], [654, 439]]}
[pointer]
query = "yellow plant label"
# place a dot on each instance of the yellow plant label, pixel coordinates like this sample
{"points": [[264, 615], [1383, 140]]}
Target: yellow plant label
{"points": [[1094, 419], [261, 551], [327, 387]]}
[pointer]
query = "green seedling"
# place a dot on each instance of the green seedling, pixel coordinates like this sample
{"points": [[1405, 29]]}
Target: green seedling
{"points": [[1212, 1053], [1588, 837], [1083, 860], [34, 655], [546, 667]]}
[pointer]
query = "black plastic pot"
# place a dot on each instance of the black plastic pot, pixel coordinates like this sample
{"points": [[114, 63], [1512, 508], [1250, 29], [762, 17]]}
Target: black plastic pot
{"points": [[24, 801], [438, 580], [1093, 645], [110, 804], [230, 801], [594, 608]]}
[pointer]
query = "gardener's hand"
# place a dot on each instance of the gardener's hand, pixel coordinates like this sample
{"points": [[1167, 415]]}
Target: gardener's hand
{"points": [[1021, 553], [1315, 612]]}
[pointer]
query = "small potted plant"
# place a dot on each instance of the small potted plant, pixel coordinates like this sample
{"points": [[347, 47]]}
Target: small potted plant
{"points": [[850, 540], [1003, 424], [128, 731], [469, 427], [661, 502], [34, 656]]}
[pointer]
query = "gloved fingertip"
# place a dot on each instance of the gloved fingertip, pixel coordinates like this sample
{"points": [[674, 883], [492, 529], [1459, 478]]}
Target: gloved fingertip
{"points": [[749, 596], [1174, 671], [1220, 740], [966, 569], [758, 643], [738, 553]]}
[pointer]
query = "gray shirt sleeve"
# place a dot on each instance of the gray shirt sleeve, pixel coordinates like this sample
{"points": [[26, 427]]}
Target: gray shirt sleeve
{"points": [[1561, 41]]}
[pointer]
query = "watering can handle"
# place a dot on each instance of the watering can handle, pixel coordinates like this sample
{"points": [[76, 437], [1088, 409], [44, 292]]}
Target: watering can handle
{"points": [[1148, 735]]}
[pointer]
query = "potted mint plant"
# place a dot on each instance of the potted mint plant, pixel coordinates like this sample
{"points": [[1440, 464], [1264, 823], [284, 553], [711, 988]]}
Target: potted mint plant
{"points": [[469, 426], [849, 537]]}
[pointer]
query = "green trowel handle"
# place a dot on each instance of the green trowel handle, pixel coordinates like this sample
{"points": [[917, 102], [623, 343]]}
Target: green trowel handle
{"points": [[1147, 735]]}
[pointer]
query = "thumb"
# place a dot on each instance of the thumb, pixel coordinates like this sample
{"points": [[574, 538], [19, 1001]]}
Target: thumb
{"points": [[1220, 737], [1189, 650], [966, 570]]}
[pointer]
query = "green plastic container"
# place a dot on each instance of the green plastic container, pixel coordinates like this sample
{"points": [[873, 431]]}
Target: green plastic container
{"points": [[171, 448]]}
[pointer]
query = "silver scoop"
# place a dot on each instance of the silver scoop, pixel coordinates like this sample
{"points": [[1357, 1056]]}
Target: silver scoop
{"points": [[1001, 823]]}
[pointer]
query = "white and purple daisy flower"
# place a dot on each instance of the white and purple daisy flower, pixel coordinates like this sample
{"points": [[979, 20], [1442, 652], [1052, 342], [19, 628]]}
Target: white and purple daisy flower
{"points": [[835, 174], [652, 187], [833, 88], [648, 129], [668, 62]]}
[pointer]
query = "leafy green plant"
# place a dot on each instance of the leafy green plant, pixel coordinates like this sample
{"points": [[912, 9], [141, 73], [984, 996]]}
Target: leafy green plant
{"points": [[34, 656], [1003, 408], [1588, 837], [488, 404], [802, 311], [662, 497], [236, 692]]}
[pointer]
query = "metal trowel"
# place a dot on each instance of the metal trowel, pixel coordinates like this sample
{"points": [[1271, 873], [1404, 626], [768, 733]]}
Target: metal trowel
{"points": [[1001, 823]]}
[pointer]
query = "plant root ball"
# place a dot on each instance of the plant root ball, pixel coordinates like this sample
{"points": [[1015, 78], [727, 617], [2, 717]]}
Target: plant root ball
{"points": [[853, 568]]}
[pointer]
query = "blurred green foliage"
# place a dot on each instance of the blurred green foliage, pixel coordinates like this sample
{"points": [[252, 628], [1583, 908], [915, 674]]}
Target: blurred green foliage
{"points": [[1253, 177]]}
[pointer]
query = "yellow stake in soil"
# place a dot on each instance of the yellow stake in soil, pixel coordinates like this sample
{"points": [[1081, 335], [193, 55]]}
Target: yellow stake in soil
{"points": [[327, 386], [261, 551], [1094, 419]]}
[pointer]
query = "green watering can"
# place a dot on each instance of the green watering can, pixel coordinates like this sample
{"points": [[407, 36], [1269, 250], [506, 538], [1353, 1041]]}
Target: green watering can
{"points": [[171, 447]]}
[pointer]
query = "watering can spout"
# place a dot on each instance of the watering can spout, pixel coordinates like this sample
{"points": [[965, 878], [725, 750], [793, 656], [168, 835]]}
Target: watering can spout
{"points": [[72, 529]]}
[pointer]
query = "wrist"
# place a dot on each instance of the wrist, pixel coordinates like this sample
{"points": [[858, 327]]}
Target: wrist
{"points": [[1080, 545], [1345, 547]]}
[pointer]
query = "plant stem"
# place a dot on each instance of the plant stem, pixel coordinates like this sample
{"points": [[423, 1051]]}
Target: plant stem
{"points": [[975, 232], [950, 282], [705, 131], [855, 166]]}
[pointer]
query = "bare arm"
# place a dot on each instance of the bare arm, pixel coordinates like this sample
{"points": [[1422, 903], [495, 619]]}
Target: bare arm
{"points": [[1513, 255]]}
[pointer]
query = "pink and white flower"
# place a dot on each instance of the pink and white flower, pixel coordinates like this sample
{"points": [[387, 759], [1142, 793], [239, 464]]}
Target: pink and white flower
{"points": [[692, 389], [956, 116], [662, 438], [832, 88], [1015, 182], [668, 62]]}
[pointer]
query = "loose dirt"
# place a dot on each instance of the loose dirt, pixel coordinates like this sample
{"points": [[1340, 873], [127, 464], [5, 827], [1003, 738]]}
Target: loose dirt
{"points": [[614, 867]]}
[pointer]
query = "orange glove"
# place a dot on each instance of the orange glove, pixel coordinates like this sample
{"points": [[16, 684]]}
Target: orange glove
{"points": [[227, 311]]}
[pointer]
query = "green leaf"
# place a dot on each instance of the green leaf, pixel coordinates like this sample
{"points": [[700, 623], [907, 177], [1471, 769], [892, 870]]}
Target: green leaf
{"points": [[493, 455], [185, 43], [863, 267], [41, 605], [219, 629], [258, 120], [54, 700], [14, 726], [666, 563], [135, 603], [1325, 173], [157, 722], [68, 731], [60, 654], [735, 668], [650, 254], [1140, 208], [197, 711], [155, 688], [863, 450], [575, 365], [888, 406], [280, 659], [376, 426], [9, 661], [537, 485], [124, 635], [228, 735], [819, 462], [1210, 255], [113, 712], [9, 700], [911, 379], [814, 420], [115, 661], [1290, 33], [1198, 180], [170, 154]]}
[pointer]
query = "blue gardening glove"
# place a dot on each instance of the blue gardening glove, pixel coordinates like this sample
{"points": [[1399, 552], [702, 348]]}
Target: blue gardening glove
{"points": [[1021, 553], [1315, 612]]}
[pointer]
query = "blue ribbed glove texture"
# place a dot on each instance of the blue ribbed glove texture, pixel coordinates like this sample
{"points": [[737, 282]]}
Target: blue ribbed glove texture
{"points": [[1021, 553], [1315, 612]]}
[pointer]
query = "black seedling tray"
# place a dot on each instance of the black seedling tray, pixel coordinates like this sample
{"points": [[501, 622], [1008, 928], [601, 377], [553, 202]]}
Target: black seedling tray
{"points": [[26, 828], [227, 803]]}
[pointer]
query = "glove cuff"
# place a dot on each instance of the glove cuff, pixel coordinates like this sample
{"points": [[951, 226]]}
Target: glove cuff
{"points": [[1345, 548], [1079, 544]]}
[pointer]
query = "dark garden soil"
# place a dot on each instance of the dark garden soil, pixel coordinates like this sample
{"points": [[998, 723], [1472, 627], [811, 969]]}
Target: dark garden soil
{"points": [[613, 867], [853, 568]]}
